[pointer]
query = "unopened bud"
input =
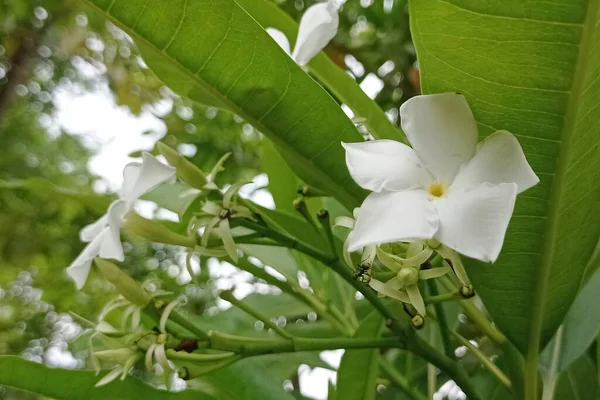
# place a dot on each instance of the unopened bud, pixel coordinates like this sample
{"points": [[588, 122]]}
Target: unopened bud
{"points": [[190, 370], [467, 291], [309, 191], [418, 321], [186, 171], [124, 284], [433, 244], [156, 232], [408, 276]]}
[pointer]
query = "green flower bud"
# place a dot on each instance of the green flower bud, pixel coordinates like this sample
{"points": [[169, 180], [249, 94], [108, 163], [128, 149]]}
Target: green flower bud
{"points": [[186, 171], [433, 244], [408, 276], [125, 285], [155, 231]]}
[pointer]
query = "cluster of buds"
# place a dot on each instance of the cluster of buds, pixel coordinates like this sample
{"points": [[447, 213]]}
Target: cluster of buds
{"points": [[410, 264]]}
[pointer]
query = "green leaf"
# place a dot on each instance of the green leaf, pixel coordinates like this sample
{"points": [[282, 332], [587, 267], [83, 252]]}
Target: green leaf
{"points": [[176, 197], [578, 382], [579, 329], [530, 68], [249, 379], [346, 89], [233, 320], [359, 368], [490, 388], [278, 258], [205, 48], [283, 184], [44, 187], [62, 384]]}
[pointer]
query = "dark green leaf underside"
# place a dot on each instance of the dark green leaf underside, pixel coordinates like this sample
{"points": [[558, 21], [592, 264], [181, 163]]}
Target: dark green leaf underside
{"points": [[213, 51]]}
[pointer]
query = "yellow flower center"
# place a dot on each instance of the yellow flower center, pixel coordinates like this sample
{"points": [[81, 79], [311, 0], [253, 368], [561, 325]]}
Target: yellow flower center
{"points": [[437, 189]]}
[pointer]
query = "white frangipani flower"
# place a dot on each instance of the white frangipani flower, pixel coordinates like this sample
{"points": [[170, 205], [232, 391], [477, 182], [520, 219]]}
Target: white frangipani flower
{"points": [[318, 26], [103, 235], [446, 187]]}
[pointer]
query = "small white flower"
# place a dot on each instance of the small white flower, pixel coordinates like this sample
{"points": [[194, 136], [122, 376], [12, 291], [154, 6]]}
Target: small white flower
{"points": [[318, 26], [103, 235], [445, 187]]}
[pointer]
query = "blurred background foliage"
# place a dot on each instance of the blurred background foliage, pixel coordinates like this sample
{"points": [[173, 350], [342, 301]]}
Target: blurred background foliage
{"points": [[47, 192]]}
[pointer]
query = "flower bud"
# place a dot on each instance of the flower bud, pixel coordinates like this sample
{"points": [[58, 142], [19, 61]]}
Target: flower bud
{"points": [[155, 231], [408, 276], [186, 171], [125, 285]]}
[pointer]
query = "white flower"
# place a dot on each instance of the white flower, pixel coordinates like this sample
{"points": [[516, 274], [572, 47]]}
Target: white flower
{"points": [[318, 26], [103, 235], [445, 187]]}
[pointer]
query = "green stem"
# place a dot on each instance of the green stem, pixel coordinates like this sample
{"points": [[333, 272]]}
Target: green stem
{"points": [[446, 364], [403, 332], [475, 315], [401, 381], [442, 298], [484, 360], [441, 319], [305, 296], [247, 346], [228, 296], [180, 319]]}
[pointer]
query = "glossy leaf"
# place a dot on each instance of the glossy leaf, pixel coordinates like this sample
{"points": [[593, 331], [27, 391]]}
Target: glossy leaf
{"points": [[530, 68], [359, 368], [333, 78], [205, 48], [62, 384]]}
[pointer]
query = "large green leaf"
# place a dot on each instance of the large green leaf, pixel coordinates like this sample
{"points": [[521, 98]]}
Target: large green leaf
{"points": [[213, 48], [359, 368], [249, 379], [62, 384], [341, 84], [578, 382], [580, 328], [530, 67], [283, 184]]}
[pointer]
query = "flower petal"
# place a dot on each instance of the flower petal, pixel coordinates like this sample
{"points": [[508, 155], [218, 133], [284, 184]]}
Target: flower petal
{"points": [[140, 178], [318, 26], [416, 299], [473, 221], [111, 246], [89, 232], [442, 130], [498, 159], [387, 289], [386, 217], [434, 272], [385, 165], [80, 267], [280, 38]]}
